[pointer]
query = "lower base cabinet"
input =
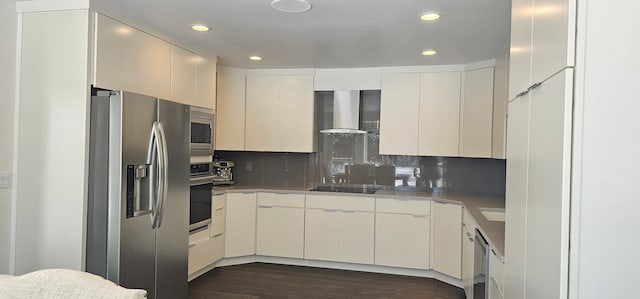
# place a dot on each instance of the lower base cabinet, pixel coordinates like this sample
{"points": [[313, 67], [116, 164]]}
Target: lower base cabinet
{"points": [[240, 224], [402, 240], [447, 244], [280, 225], [204, 250]]}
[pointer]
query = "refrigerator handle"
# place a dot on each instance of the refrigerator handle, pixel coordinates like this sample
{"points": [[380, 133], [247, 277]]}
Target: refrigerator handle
{"points": [[155, 172], [163, 175]]}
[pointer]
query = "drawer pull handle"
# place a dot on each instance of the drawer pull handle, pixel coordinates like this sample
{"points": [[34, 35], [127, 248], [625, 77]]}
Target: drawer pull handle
{"points": [[330, 210], [420, 216], [220, 208], [192, 245], [265, 207], [217, 235], [347, 211]]}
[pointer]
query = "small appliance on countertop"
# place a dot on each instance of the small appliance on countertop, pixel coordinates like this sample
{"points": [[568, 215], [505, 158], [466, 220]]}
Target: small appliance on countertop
{"points": [[222, 172]]}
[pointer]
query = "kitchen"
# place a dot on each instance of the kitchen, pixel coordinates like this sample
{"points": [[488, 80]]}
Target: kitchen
{"points": [[591, 219]]}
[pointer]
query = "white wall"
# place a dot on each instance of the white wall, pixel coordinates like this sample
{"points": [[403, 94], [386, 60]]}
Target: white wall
{"points": [[605, 194], [52, 143], [7, 86]]}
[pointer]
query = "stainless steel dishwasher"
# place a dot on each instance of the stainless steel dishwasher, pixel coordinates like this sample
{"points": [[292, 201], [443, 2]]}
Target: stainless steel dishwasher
{"points": [[480, 267]]}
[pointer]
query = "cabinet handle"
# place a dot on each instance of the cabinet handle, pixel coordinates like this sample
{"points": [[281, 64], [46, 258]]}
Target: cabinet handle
{"points": [[468, 234], [470, 239], [192, 245], [265, 207], [218, 235], [420, 216], [347, 211], [330, 210], [220, 208], [401, 199]]}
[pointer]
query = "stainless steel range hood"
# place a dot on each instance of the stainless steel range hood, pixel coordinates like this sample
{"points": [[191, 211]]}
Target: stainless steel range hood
{"points": [[346, 113]]}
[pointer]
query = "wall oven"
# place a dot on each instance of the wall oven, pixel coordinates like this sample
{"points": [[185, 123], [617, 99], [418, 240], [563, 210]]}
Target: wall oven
{"points": [[202, 131], [201, 190]]}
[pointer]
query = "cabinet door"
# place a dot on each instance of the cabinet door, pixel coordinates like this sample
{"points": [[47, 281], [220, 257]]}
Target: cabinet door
{"points": [[280, 231], [262, 113], [230, 109], [183, 76], [240, 224], [296, 118], [402, 240], [516, 196], [553, 37], [467, 261], [477, 114], [547, 231], [339, 236], [399, 107], [205, 83], [520, 52], [439, 114], [116, 55], [447, 243], [200, 251], [500, 100], [155, 67]]}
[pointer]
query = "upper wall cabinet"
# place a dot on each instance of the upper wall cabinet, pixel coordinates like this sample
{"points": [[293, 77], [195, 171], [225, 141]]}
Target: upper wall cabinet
{"points": [[399, 111], [477, 114], [132, 60], [183, 75], [439, 114], [542, 41], [279, 113], [230, 109]]}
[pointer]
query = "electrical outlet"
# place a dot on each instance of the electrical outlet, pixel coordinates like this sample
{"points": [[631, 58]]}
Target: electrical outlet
{"points": [[249, 166], [5, 180]]}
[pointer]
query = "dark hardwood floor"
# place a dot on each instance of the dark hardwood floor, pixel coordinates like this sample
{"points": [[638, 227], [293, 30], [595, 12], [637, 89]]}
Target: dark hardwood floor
{"points": [[259, 280]]}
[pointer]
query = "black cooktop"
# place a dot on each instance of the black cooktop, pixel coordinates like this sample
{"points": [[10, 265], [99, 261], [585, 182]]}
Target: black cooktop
{"points": [[365, 189]]}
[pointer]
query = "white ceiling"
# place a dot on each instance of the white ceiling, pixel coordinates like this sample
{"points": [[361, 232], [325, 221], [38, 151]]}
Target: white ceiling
{"points": [[334, 33]]}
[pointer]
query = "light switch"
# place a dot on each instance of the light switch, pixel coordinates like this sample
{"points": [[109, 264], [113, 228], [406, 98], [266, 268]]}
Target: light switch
{"points": [[5, 179]]}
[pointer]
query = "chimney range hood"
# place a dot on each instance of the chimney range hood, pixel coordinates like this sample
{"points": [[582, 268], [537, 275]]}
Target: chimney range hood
{"points": [[346, 113]]}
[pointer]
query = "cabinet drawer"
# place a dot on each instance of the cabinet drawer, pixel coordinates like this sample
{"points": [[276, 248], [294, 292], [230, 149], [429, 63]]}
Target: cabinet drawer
{"points": [[347, 203], [218, 247], [218, 219], [218, 201], [400, 205], [200, 254], [281, 200], [199, 235]]}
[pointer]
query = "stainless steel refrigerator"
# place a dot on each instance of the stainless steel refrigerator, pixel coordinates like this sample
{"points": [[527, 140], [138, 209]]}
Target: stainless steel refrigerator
{"points": [[138, 208]]}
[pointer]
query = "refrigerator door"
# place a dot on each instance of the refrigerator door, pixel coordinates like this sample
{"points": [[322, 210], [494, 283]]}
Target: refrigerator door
{"points": [[131, 239], [172, 234]]}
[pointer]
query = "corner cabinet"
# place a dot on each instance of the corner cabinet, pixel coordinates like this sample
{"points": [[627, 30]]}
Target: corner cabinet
{"points": [[240, 225], [447, 243], [279, 113]]}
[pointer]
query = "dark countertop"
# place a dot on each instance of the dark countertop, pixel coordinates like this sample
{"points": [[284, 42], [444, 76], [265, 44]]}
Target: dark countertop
{"points": [[492, 230]]}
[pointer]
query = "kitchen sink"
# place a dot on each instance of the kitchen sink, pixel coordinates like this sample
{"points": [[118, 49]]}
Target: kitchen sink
{"points": [[493, 214]]}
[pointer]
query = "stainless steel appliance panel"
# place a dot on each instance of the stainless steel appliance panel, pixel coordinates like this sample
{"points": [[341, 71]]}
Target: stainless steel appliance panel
{"points": [[172, 234], [131, 249], [202, 131]]}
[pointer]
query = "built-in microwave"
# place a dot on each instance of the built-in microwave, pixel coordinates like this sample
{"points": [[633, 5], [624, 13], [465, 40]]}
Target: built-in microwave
{"points": [[202, 131]]}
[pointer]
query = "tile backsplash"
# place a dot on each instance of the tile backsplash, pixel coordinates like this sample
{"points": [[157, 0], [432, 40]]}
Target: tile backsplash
{"points": [[440, 174]]}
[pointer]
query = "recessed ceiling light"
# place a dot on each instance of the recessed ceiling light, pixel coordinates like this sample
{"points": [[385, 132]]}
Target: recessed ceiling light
{"points": [[255, 58], [200, 27], [432, 16], [429, 52], [291, 5]]}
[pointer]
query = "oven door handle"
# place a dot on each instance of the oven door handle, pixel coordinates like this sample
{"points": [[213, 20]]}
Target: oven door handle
{"points": [[201, 180]]}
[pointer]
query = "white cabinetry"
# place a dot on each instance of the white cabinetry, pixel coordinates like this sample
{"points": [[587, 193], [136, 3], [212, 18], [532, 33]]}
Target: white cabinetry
{"points": [[477, 114], [279, 113], [207, 245], [339, 228], [230, 109], [183, 75], [117, 55], [439, 114], [447, 246], [402, 233], [496, 276], [399, 112], [205, 83], [240, 224], [468, 235], [280, 225]]}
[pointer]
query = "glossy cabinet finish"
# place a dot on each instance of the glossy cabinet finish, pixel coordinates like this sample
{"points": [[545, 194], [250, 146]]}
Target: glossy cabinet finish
{"points": [[399, 112], [500, 100], [240, 225], [340, 233], [207, 246], [183, 75], [230, 109], [205, 83], [468, 256], [280, 225], [516, 195], [402, 240], [279, 113], [547, 234], [154, 67], [496, 276], [477, 114], [520, 52], [439, 120], [445, 235], [116, 55]]}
